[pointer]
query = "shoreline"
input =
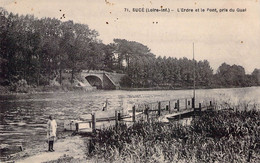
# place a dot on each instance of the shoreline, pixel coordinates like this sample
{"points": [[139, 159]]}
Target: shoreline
{"points": [[46, 89], [67, 148], [55, 89], [74, 148]]}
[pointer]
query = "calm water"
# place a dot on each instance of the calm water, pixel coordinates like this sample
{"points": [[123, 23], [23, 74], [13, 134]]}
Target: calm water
{"points": [[23, 117]]}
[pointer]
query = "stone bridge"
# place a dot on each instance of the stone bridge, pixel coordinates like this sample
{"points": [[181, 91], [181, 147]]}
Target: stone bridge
{"points": [[102, 79]]}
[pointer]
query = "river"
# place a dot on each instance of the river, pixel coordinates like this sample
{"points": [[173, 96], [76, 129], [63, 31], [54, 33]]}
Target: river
{"points": [[23, 117]]}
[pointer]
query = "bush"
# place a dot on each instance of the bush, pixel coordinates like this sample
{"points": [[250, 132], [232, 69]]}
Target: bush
{"points": [[221, 136], [21, 86]]}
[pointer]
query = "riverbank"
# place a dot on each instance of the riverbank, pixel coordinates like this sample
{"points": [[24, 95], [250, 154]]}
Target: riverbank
{"points": [[24, 116], [68, 149], [218, 136], [178, 88], [214, 136], [7, 90]]}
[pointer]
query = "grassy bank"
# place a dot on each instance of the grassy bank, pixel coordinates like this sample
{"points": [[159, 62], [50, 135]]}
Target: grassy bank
{"points": [[39, 89], [218, 136]]}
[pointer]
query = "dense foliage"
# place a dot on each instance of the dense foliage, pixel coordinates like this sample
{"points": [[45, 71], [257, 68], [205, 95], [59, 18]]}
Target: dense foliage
{"points": [[36, 50], [219, 136], [40, 50]]}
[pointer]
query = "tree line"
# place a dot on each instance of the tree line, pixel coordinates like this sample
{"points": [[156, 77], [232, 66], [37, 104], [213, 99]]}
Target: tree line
{"points": [[39, 50]]}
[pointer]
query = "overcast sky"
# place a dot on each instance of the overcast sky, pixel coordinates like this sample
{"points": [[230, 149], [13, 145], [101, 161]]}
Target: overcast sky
{"points": [[228, 37]]}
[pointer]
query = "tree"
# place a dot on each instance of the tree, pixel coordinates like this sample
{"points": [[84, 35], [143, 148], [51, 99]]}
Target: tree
{"points": [[109, 59], [78, 43], [129, 51], [256, 77], [205, 73], [231, 75]]}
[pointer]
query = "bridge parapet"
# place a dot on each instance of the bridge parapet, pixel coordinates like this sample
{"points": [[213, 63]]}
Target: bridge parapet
{"points": [[109, 80], [94, 71]]}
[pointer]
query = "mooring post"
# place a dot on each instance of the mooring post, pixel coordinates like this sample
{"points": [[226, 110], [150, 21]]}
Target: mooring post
{"points": [[133, 116], [77, 127], [210, 105], [178, 105], [199, 106], [178, 108], [193, 103], [169, 106], [119, 117], [93, 123], [186, 106], [116, 119], [159, 108], [147, 115]]}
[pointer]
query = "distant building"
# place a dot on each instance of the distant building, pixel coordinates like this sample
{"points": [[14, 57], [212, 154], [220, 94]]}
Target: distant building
{"points": [[123, 61]]}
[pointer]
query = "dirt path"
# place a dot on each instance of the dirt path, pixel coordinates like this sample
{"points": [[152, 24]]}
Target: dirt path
{"points": [[72, 147]]}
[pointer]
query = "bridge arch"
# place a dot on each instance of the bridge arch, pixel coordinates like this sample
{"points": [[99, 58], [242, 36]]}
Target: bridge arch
{"points": [[95, 81]]}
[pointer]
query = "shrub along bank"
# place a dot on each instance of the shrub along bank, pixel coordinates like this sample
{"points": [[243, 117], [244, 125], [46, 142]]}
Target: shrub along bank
{"points": [[218, 136]]}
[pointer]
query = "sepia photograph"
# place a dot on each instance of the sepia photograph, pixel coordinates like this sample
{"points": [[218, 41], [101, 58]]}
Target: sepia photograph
{"points": [[133, 81]]}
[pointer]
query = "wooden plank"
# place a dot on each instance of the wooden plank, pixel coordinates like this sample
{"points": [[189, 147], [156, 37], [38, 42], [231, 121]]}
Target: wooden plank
{"points": [[104, 115], [179, 113]]}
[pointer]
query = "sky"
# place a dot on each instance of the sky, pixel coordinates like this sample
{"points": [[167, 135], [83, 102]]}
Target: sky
{"points": [[231, 37]]}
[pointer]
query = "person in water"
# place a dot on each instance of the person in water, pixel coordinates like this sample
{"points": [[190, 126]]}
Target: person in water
{"points": [[51, 132]]}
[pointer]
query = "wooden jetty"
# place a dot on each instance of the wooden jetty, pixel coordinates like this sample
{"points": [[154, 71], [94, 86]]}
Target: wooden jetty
{"points": [[163, 111]]}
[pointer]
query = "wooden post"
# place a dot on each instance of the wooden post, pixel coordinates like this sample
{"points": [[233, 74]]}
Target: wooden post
{"points": [[133, 116], [186, 106], [193, 103], [199, 106], [210, 106], [178, 105], [147, 114], [93, 123], [178, 108], [169, 106], [119, 118], [116, 119], [77, 127], [159, 108]]}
